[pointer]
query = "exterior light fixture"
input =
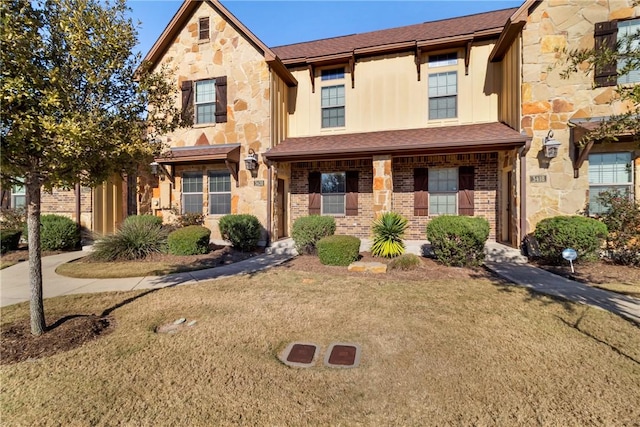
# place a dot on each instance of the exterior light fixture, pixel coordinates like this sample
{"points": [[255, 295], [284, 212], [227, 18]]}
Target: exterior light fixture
{"points": [[155, 168], [160, 171], [550, 146], [251, 161]]}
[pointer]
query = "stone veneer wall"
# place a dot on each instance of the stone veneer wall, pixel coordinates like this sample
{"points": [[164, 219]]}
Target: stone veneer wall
{"points": [[227, 53], [485, 193], [549, 101], [359, 225]]}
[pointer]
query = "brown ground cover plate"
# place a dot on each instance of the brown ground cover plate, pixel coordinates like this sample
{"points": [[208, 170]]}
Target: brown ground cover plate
{"points": [[342, 355], [300, 354]]}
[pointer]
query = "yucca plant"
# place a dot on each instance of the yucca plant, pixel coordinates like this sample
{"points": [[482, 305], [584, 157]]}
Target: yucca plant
{"points": [[388, 231]]}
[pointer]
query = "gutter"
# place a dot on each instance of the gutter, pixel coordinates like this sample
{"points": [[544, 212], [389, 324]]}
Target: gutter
{"points": [[523, 188]]}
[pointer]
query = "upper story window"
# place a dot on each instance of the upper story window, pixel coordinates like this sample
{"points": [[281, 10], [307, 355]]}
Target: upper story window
{"points": [[608, 172], [443, 95], [332, 74], [206, 101], [613, 35], [332, 106], [203, 28], [443, 60], [192, 192], [219, 193]]}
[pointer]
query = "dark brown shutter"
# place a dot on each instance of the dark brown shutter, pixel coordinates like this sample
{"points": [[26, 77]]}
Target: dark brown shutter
{"points": [[420, 192], [606, 35], [351, 204], [187, 100], [465, 190], [314, 193], [221, 99]]}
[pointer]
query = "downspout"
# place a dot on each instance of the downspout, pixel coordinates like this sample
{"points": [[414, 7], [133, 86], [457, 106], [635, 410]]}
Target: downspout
{"points": [[268, 163], [523, 188], [269, 199]]}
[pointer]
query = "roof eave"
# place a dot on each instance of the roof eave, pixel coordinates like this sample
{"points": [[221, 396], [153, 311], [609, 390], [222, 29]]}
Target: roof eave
{"points": [[512, 28]]}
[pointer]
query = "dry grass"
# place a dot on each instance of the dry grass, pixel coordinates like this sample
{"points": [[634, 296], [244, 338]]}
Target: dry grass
{"points": [[454, 352]]}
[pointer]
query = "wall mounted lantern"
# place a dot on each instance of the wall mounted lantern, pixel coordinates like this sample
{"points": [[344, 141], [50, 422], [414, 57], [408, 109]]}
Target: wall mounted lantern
{"points": [[159, 170], [251, 161], [550, 146]]}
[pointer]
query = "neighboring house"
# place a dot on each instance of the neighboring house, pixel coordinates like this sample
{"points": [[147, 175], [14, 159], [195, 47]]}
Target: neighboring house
{"points": [[533, 41]]}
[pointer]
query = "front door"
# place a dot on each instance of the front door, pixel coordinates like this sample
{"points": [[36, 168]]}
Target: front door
{"points": [[281, 210]]}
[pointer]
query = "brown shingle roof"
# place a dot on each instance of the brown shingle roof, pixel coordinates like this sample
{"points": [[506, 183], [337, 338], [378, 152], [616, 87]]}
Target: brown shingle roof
{"points": [[436, 140], [201, 154], [447, 28]]}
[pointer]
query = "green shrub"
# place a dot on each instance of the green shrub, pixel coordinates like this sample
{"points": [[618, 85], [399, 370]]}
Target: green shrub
{"points": [[134, 240], [12, 218], [405, 262], [388, 231], [622, 218], [338, 250], [188, 218], [9, 240], [243, 231], [191, 240], [555, 234], [458, 240], [58, 233], [151, 219], [307, 230]]}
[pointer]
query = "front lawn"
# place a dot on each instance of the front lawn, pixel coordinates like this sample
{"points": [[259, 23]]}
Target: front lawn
{"points": [[461, 350]]}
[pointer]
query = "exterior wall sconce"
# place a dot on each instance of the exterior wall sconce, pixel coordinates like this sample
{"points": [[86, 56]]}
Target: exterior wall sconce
{"points": [[550, 146], [251, 161], [159, 170]]}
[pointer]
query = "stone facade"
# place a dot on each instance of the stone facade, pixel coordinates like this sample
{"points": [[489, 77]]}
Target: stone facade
{"points": [[226, 53], [550, 101]]}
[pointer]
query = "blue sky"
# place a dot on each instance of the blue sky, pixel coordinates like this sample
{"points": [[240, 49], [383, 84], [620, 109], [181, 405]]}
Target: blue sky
{"points": [[284, 22]]}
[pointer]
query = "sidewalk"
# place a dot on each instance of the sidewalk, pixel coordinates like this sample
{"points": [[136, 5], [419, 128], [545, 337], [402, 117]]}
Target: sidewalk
{"points": [[502, 260], [14, 280]]}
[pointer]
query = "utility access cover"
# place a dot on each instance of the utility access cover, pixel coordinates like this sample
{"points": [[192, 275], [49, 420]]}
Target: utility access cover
{"points": [[300, 354], [342, 355]]}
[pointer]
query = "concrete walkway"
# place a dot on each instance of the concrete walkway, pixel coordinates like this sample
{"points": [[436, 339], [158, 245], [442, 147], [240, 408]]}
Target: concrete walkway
{"points": [[504, 261], [14, 280]]}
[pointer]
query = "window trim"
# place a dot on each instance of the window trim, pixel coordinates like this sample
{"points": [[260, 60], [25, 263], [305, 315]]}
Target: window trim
{"points": [[201, 30], [22, 194], [629, 186], [226, 174], [438, 97], [213, 103], [432, 179], [450, 59], [343, 194], [329, 74], [333, 107], [183, 193]]}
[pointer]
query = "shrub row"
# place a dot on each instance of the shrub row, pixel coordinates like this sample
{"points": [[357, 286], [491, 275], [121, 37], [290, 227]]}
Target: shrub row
{"points": [[190, 240], [458, 240], [308, 230], [243, 231], [338, 250], [583, 234]]}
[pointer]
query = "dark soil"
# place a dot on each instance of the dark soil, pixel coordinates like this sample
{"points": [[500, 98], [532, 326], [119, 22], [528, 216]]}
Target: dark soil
{"points": [[17, 344]]}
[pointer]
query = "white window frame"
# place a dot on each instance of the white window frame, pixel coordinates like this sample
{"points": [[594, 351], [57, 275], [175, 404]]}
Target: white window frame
{"points": [[224, 191], [207, 99], [627, 28], [438, 186], [438, 93], [18, 191], [186, 194], [335, 194], [443, 60], [333, 76], [598, 185]]}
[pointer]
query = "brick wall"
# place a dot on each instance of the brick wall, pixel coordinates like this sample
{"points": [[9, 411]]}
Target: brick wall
{"points": [[63, 202], [485, 200]]}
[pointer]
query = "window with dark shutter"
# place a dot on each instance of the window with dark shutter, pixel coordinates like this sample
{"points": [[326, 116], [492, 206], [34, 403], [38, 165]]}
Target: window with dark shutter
{"points": [[351, 203], [420, 192], [221, 99], [187, 100], [466, 188], [315, 202], [606, 34], [203, 29]]}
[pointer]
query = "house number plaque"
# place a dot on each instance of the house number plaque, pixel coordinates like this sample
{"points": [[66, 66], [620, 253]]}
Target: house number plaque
{"points": [[258, 183], [535, 179]]}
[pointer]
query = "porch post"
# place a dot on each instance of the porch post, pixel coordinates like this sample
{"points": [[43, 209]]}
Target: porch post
{"points": [[382, 185]]}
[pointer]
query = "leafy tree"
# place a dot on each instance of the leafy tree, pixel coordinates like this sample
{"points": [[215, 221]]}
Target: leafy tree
{"points": [[74, 104], [626, 55]]}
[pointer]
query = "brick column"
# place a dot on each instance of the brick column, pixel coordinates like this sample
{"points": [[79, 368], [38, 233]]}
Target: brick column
{"points": [[382, 185]]}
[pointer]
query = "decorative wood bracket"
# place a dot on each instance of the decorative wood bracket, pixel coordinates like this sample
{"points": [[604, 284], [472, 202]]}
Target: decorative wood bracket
{"points": [[352, 70], [418, 60], [580, 157], [233, 168], [467, 57], [312, 76]]}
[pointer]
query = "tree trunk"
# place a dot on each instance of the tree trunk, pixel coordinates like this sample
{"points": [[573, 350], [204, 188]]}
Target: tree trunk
{"points": [[38, 324]]}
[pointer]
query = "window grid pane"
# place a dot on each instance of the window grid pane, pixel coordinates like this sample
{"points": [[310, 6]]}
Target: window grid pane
{"points": [[443, 89], [205, 101], [333, 74], [626, 29], [442, 203], [220, 204], [608, 172], [219, 193], [443, 60], [333, 117], [333, 187], [333, 204], [191, 192], [443, 187], [192, 203]]}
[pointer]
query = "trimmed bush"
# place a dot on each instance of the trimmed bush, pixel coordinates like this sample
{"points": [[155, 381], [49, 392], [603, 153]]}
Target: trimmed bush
{"points": [[458, 240], [134, 240], [58, 233], [191, 240], [622, 218], [151, 219], [585, 235], [9, 240], [243, 231], [388, 231], [307, 230], [12, 218], [338, 250], [405, 262]]}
